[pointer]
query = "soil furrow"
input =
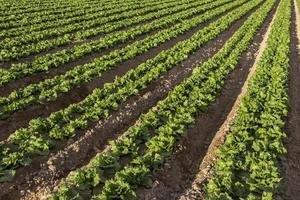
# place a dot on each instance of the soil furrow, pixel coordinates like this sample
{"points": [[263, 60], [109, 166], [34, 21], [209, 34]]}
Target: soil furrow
{"points": [[291, 161]]}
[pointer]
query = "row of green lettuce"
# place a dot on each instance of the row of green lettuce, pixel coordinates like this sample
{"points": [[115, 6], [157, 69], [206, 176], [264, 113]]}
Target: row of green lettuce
{"points": [[44, 63], [248, 162], [49, 89], [33, 43], [41, 133], [157, 131]]}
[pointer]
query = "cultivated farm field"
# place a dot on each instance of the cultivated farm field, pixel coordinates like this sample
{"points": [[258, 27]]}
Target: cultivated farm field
{"points": [[149, 99]]}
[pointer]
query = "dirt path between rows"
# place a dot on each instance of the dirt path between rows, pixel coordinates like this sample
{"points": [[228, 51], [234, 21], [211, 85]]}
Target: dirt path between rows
{"points": [[180, 178], [291, 162]]}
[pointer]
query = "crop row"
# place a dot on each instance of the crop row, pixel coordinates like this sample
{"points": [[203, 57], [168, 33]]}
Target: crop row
{"points": [[44, 63], [248, 162], [162, 126], [49, 89], [98, 105]]}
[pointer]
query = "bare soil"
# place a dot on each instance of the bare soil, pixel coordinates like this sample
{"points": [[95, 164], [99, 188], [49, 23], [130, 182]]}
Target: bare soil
{"points": [[291, 162]]}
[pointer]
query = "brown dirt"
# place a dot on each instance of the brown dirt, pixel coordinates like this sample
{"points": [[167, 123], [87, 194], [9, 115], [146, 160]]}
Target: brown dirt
{"points": [[180, 172], [47, 171], [291, 161]]}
